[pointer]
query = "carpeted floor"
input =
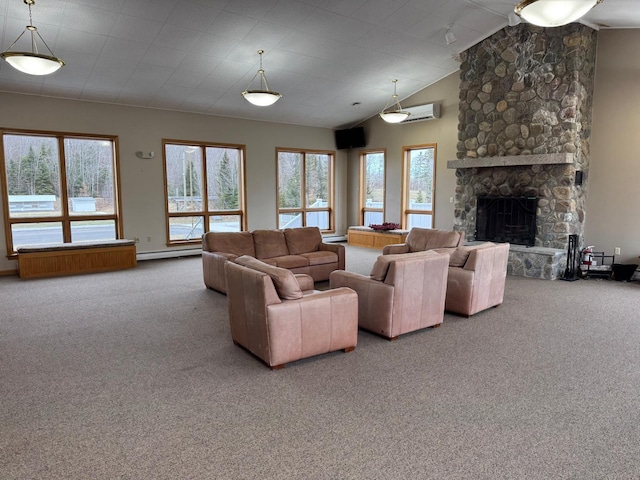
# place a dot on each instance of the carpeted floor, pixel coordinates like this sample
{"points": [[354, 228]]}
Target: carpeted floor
{"points": [[133, 375]]}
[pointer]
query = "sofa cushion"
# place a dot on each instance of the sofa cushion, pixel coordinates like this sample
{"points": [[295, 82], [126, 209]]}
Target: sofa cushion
{"points": [[321, 257], [238, 243], [285, 282], [303, 240], [289, 261], [270, 243], [381, 267]]}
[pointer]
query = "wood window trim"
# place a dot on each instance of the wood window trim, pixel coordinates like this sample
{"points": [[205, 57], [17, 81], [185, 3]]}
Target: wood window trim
{"points": [[405, 211], [302, 209], [362, 209], [205, 213], [65, 218]]}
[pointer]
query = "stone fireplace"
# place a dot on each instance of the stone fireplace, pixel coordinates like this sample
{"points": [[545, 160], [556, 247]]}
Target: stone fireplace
{"points": [[524, 127]]}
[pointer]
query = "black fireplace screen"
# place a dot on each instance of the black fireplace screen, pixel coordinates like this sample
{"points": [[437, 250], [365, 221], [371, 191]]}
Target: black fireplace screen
{"points": [[510, 220]]}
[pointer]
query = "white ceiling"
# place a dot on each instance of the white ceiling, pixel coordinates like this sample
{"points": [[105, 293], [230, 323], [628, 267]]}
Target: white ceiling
{"points": [[198, 55]]}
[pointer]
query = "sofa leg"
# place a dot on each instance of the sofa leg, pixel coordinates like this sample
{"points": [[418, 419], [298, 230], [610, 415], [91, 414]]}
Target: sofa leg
{"points": [[277, 367], [349, 349], [393, 339], [437, 325]]}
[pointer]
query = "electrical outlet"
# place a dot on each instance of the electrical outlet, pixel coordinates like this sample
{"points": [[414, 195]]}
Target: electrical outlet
{"points": [[148, 239], [136, 239], [450, 199], [617, 251]]}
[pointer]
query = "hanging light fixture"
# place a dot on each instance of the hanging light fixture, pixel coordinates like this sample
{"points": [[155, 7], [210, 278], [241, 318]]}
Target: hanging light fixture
{"points": [[553, 13], [263, 97], [33, 62], [392, 112]]}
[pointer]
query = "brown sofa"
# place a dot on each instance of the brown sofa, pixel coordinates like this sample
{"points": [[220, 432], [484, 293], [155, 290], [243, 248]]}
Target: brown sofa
{"points": [[421, 239], [300, 250], [404, 293], [279, 318], [477, 276]]}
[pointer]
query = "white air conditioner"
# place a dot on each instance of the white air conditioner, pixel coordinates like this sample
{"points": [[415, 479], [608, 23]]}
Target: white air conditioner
{"points": [[422, 112]]}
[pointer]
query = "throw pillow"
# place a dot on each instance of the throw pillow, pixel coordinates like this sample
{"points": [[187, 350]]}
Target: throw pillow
{"points": [[283, 279], [459, 256]]}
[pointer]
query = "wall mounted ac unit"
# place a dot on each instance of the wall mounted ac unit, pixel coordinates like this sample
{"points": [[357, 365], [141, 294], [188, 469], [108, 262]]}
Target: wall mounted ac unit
{"points": [[422, 112]]}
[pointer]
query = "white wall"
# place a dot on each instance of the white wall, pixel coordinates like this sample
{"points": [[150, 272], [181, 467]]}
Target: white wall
{"points": [[613, 204], [141, 129], [443, 132]]}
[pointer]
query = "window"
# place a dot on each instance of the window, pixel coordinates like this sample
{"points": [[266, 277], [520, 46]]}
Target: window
{"points": [[372, 175], [419, 185], [305, 189], [59, 188], [192, 169]]}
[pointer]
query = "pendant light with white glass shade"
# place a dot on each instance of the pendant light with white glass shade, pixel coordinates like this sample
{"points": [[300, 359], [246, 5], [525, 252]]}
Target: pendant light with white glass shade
{"points": [[392, 112], [262, 97], [33, 62], [553, 13]]}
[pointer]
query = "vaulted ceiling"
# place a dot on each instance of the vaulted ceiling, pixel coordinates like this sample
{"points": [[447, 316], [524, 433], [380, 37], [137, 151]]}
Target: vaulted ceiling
{"points": [[332, 60]]}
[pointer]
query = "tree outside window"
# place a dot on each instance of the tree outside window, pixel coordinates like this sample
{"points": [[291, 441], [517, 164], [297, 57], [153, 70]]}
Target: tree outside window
{"points": [[372, 187], [190, 170], [305, 189], [40, 210], [419, 186]]}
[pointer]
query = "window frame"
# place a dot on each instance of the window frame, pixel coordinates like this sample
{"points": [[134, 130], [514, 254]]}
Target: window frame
{"points": [[362, 200], [205, 213], [64, 218], [303, 209], [406, 211]]}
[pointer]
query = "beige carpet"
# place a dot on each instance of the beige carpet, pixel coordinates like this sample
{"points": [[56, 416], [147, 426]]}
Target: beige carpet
{"points": [[133, 375]]}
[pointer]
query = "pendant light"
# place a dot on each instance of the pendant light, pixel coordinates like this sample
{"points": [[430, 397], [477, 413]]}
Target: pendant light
{"points": [[392, 112], [263, 97], [553, 13], [33, 62]]}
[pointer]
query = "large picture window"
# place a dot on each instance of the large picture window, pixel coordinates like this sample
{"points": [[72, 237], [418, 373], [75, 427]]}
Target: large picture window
{"points": [[372, 186], [59, 188], [305, 189], [419, 186], [204, 190]]}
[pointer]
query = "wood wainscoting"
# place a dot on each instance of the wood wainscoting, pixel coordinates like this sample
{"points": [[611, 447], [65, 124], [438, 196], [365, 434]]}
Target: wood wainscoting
{"points": [[367, 237], [71, 259]]}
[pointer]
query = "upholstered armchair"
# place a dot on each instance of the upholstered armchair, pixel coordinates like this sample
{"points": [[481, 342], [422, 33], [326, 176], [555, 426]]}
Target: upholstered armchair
{"points": [[404, 292], [278, 317], [477, 276], [421, 239]]}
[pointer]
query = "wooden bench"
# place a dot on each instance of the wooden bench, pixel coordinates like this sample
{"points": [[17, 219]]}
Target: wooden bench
{"points": [[368, 237], [52, 260]]}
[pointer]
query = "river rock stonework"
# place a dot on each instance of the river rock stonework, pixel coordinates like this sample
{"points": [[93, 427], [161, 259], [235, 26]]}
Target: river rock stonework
{"points": [[527, 90]]}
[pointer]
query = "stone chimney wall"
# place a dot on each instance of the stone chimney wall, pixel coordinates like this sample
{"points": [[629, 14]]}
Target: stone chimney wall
{"points": [[527, 90]]}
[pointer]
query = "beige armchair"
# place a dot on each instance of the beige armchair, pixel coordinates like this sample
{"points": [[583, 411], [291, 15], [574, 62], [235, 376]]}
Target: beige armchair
{"points": [[421, 239], [477, 276], [278, 317], [404, 292]]}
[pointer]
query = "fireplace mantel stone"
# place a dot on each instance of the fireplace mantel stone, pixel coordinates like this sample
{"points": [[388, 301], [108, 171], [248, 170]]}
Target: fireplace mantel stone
{"points": [[513, 160]]}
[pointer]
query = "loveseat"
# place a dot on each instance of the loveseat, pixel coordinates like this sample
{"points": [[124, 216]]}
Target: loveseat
{"points": [[279, 318], [300, 250]]}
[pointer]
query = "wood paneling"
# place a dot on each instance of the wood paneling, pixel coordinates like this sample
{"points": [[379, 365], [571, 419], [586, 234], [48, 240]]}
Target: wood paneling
{"points": [[70, 262]]}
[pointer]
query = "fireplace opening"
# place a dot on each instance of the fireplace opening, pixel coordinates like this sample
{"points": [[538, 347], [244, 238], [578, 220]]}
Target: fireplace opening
{"points": [[511, 219]]}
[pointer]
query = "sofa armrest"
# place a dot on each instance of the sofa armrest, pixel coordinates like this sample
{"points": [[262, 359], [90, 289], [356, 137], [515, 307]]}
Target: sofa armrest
{"points": [[305, 281], [318, 323], [213, 269], [336, 248], [395, 248]]}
